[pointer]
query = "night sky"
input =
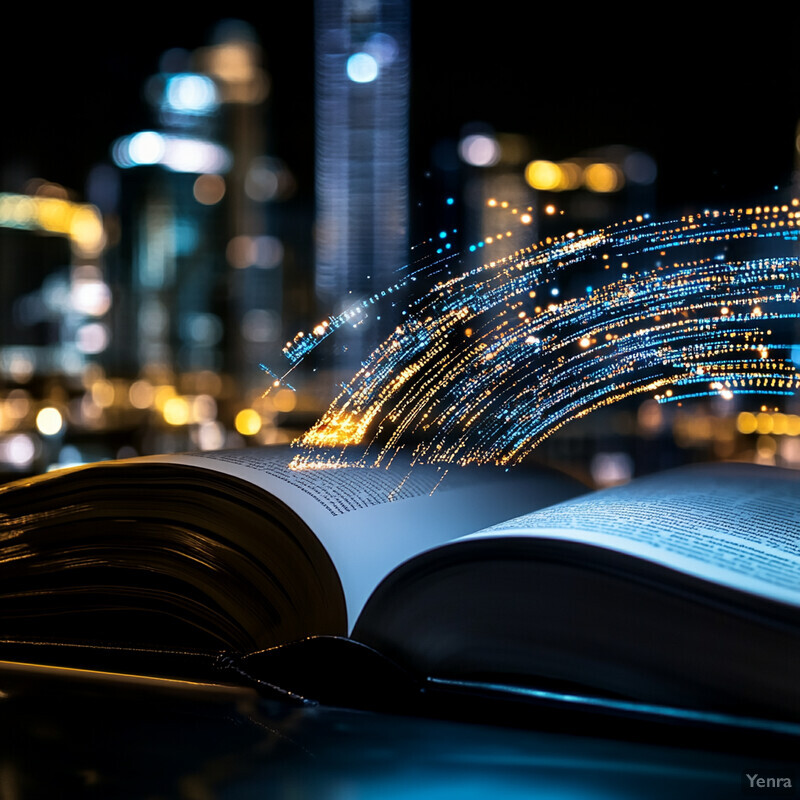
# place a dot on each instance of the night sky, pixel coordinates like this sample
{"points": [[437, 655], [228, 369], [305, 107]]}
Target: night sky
{"points": [[715, 102]]}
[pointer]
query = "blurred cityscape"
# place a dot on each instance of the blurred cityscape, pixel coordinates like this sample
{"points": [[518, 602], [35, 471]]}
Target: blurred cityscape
{"points": [[136, 309]]}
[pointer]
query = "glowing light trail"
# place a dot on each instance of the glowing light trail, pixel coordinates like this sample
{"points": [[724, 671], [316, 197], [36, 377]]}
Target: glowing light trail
{"points": [[478, 372]]}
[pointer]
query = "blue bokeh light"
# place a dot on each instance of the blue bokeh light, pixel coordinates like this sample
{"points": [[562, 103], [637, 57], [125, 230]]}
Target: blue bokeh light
{"points": [[362, 68]]}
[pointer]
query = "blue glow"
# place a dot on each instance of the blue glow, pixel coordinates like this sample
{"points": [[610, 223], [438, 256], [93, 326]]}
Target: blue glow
{"points": [[628, 706], [498, 374], [362, 68], [191, 94], [382, 47], [187, 236], [146, 147], [175, 153]]}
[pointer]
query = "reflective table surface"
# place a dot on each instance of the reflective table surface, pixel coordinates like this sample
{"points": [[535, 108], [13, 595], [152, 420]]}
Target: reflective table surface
{"points": [[70, 733]]}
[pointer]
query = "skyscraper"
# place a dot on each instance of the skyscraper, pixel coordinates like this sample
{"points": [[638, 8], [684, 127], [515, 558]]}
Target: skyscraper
{"points": [[362, 88]]}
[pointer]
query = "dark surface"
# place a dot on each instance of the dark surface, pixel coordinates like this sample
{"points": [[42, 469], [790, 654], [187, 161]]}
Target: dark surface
{"points": [[72, 734]]}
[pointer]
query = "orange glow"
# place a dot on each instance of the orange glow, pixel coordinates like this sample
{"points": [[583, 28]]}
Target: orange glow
{"points": [[543, 175], [80, 222], [248, 422], [603, 178]]}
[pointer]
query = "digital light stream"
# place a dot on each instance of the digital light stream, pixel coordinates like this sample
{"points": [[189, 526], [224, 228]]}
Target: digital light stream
{"points": [[488, 362]]}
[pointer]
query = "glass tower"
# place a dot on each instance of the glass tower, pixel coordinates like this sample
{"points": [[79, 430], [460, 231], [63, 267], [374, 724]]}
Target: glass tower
{"points": [[362, 88]]}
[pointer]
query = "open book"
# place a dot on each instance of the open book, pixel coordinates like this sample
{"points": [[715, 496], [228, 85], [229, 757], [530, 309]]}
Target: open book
{"points": [[679, 589]]}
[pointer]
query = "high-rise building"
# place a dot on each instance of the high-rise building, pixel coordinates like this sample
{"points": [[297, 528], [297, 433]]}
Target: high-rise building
{"points": [[362, 93], [205, 282]]}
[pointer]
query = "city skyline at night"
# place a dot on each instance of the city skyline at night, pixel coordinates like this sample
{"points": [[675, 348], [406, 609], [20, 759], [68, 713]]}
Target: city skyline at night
{"points": [[712, 102], [576, 124]]}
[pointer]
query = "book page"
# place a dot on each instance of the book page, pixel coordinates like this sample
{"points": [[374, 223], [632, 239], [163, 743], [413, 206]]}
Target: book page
{"points": [[736, 524], [370, 519]]}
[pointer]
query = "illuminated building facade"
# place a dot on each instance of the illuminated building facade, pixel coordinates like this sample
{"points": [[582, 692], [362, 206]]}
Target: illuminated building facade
{"points": [[53, 294], [205, 272], [362, 88]]}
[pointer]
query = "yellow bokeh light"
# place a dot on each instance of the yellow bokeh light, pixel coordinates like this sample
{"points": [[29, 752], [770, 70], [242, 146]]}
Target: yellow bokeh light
{"points": [[176, 411], [603, 178], [80, 222], [234, 65], [141, 394], [86, 231], [775, 423], [543, 175], [162, 394], [103, 393], [285, 400], [764, 423], [571, 176], [54, 215], [247, 422], [746, 422], [232, 62], [779, 424]]}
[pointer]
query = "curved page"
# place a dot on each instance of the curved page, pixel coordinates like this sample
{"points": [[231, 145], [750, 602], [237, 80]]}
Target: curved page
{"points": [[370, 520], [737, 525]]}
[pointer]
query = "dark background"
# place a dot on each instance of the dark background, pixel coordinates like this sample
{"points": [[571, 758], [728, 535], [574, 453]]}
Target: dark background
{"points": [[713, 98]]}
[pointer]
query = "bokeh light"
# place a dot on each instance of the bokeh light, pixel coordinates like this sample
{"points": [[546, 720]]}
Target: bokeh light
{"points": [[49, 421], [248, 422], [362, 68]]}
